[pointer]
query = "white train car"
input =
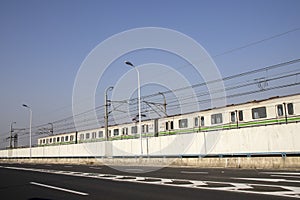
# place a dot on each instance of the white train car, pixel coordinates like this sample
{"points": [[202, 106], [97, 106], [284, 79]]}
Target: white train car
{"points": [[66, 138], [275, 110]]}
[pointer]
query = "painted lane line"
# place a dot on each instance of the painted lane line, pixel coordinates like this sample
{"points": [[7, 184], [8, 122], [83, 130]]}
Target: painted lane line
{"points": [[293, 192], [191, 172], [138, 170], [275, 175], [241, 186], [60, 189], [95, 167], [268, 180], [261, 179], [282, 173]]}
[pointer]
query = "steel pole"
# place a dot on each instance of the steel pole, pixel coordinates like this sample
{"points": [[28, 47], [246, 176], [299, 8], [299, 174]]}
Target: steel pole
{"points": [[52, 130], [106, 112], [11, 131], [30, 122], [140, 115], [165, 103], [139, 102]]}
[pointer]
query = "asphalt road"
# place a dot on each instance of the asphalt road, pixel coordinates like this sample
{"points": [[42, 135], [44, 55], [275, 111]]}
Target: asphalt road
{"points": [[26, 181]]}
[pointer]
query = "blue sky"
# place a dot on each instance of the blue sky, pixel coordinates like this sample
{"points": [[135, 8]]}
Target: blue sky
{"points": [[43, 43]]}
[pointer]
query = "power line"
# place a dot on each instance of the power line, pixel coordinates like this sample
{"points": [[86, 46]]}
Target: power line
{"points": [[257, 42], [234, 49], [67, 124]]}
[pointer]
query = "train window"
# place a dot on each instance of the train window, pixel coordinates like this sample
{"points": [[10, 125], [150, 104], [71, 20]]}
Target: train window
{"points": [[241, 116], [67, 138], [259, 112], [93, 135], [125, 131], [81, 137], [171, 125], [196, 121], [44, 141], [167, 125], [183, 123], [50, 140], [133, 129], [71, 137], [202, 120], [100, 134], [217, 118], [232, 116], [57, 139], [145, 128], [87, 136], [280, 110], [116, 132], [290, 108]]}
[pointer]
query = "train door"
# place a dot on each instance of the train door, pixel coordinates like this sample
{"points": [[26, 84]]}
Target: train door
{"points": [[169, 125], [156, 128]]}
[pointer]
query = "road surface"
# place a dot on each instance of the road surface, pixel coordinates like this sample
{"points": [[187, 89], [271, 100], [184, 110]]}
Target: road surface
{"points": [[49, 181]]}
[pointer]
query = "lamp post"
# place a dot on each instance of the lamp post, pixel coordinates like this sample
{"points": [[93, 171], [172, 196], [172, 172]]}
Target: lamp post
{"points": [[11, 131], [30, 121], [106, 111], [139, 102]]}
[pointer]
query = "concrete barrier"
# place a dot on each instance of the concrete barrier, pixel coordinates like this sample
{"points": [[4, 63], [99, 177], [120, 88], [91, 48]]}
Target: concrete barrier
{"points": [[224, 148], [292, 163]]}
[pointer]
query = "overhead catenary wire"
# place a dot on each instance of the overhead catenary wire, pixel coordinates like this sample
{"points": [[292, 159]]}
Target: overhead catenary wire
{"points": [[67, 124], [234, 50]]}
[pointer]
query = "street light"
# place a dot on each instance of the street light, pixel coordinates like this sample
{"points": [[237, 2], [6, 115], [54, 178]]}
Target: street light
{"points": [[106, 111], [30, 121], [139, 102]]}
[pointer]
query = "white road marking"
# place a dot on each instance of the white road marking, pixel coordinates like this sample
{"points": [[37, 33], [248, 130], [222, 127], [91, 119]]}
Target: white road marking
{"points": [[191, 172], [241, 186], [298, 177], [95, 167], [137, 170], [293, 191], [268, 180], [58, 188], [282, 173]]}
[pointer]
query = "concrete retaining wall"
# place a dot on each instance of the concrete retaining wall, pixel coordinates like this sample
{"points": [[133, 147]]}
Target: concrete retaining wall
{"points": [[263, 140], [238, 162]]}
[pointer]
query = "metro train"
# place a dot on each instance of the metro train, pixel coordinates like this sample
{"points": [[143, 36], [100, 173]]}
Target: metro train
{"points": [[271, 111]]}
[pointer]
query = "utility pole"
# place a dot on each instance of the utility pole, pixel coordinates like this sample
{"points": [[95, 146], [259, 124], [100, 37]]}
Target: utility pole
{"points": [[11, 134], [16, 140], [106, 112], [51, 130], [165, 103]]}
